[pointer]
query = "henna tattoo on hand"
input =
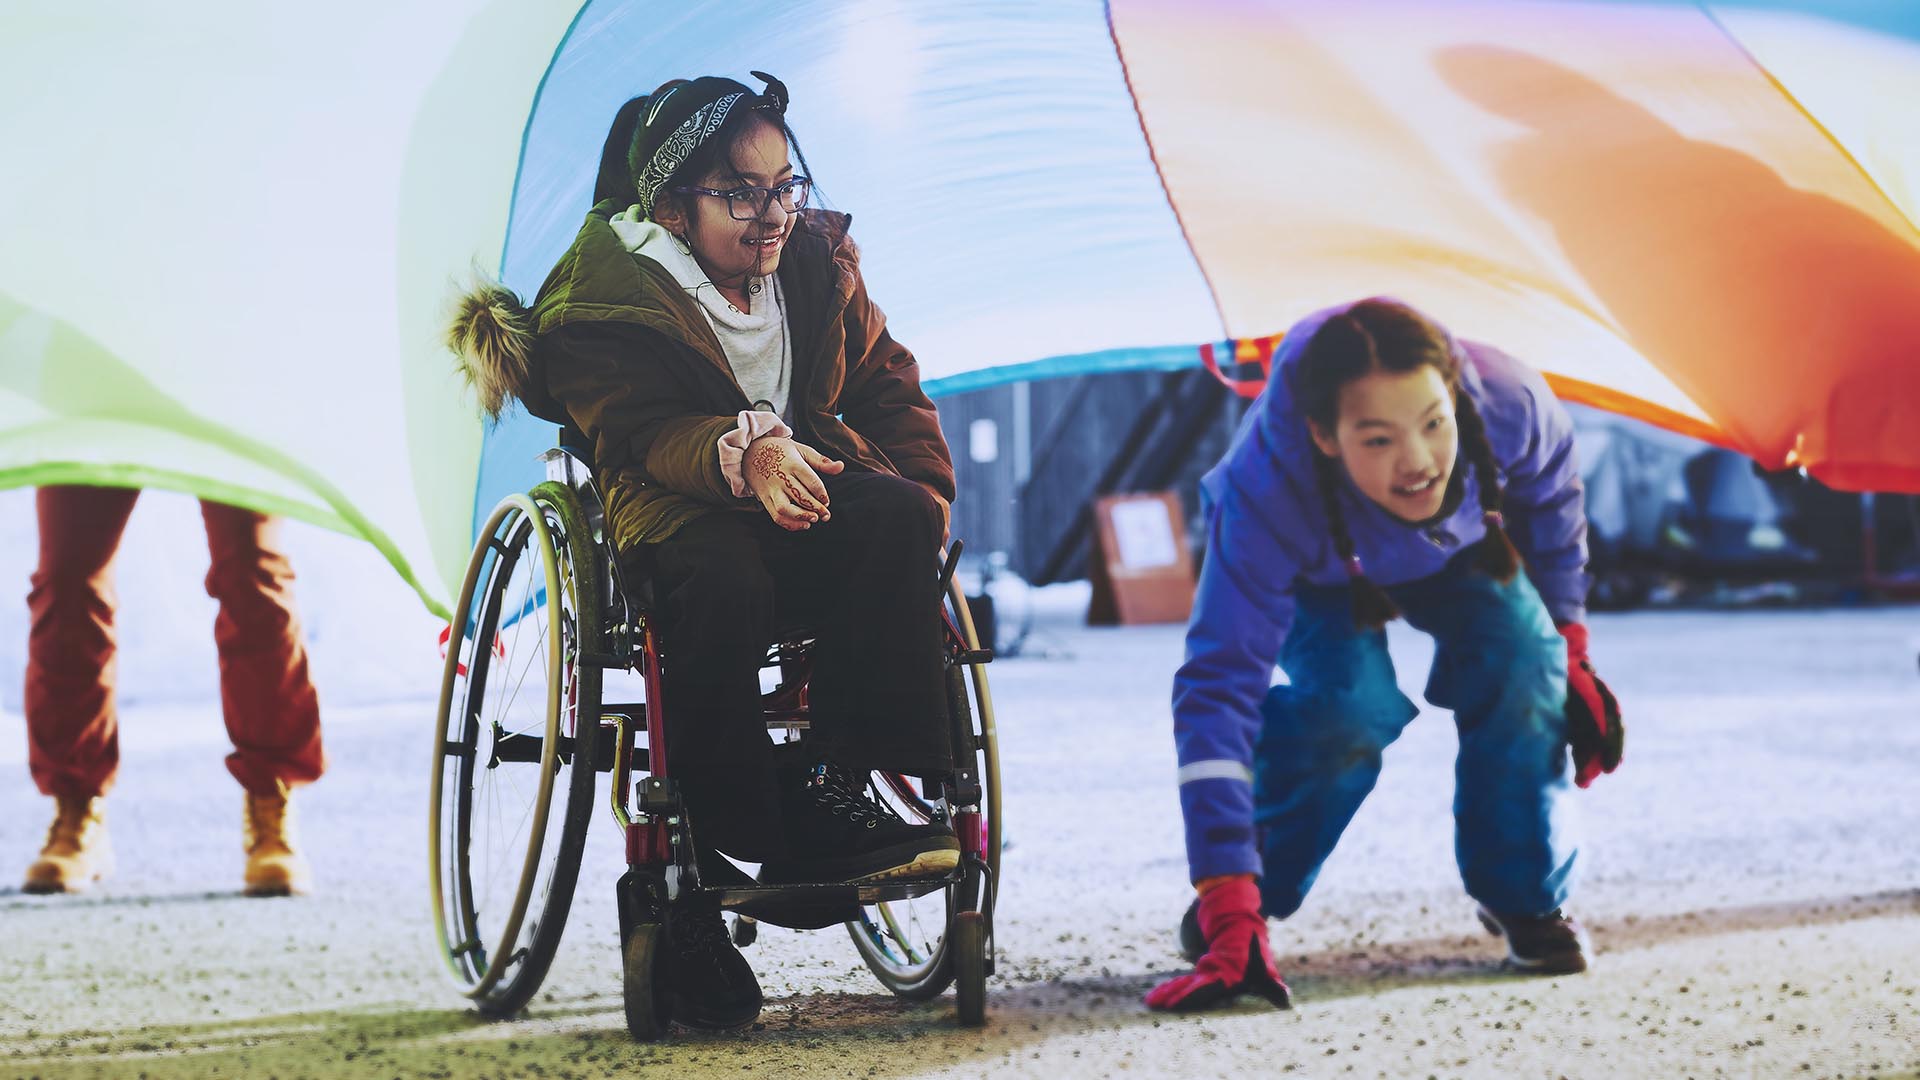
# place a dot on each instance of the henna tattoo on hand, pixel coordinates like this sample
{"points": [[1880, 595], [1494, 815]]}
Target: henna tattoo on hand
{"points": [[765, 461]]}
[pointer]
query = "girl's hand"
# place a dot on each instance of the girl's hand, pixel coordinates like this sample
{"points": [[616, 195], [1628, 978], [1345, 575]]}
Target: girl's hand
{"points": [[785, 476], [1238, 959], [1594, 730]]}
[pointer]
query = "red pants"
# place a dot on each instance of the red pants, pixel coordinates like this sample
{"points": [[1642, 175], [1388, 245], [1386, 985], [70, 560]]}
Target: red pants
{"points": [[272, 712]]}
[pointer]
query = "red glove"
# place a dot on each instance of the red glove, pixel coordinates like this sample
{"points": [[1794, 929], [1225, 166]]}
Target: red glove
{"points": [[1238, 959], [1593, 716]]}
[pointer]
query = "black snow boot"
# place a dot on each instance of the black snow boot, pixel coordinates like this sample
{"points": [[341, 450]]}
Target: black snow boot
{"points": [[841, 833], [713, 986]]}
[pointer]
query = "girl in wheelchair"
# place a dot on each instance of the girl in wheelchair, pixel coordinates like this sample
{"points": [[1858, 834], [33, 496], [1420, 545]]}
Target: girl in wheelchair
{"points": [[1381, 438], [768, 461]]}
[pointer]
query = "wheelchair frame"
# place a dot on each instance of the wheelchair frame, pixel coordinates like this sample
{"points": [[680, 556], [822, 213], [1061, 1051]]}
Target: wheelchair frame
{"points": [[565, 519]]}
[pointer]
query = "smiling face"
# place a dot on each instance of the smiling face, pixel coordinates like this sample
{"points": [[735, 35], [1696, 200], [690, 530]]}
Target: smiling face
{"points": [[732, 251], [1397, 437]]}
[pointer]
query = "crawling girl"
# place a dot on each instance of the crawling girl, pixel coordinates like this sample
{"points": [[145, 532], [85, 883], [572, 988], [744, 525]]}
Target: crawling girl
{"points": [[1388, 470]]}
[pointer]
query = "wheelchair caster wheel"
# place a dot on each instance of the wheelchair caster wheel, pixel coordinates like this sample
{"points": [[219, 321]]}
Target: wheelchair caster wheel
{"points": [[969, 944], [745, 931], [644, 983]]}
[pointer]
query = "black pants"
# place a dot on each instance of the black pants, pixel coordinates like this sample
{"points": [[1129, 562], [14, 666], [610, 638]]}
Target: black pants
{"points": [[864, 583]]}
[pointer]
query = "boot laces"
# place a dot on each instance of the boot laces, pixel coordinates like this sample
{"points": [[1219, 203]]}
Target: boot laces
{"points": [[269, 819], [835, 789], [72, 819]]}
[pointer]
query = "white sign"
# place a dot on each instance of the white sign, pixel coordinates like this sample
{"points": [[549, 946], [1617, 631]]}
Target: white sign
{"points": [[983, 441], [1143, 534]]}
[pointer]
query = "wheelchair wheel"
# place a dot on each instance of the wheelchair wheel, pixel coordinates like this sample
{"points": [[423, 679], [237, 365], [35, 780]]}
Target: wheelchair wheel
{"points": [[911, 945], [512, 785], [643, 983], [969, 934]]}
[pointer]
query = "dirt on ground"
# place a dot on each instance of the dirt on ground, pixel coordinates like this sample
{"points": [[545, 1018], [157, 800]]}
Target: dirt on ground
{"points": [[1750, 878]]}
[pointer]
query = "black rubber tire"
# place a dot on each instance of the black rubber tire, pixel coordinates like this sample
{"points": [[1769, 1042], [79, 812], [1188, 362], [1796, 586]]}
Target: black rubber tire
{"points": [[967, 945], [644, 985]]}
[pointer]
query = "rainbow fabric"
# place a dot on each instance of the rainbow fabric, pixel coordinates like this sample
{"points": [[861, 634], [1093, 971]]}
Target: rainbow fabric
{"points": [[231, 229]]}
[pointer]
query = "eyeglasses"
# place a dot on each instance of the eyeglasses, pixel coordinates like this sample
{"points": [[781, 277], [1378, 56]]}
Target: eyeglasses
{"points": [[750, 203]]}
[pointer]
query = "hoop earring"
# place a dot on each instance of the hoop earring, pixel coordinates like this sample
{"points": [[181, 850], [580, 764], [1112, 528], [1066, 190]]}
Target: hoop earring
{"points": [[685, 248]]}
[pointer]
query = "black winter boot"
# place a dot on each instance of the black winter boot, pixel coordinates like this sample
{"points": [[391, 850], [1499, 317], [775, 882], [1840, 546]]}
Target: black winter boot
{"points": [[713, 986], [841, 833]]}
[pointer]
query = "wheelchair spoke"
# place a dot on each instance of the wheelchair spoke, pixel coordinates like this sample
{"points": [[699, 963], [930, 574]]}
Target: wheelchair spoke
{"points": [[536, 723], [526, 668], [504, 700], [537, 653], [505, 779], [500, 791], [877, 937], [501, 598], [521, 828], [893, 930], [493, 827]]}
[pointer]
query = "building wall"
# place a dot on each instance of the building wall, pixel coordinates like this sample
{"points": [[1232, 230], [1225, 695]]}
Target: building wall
{"points": [[1049, 445]]}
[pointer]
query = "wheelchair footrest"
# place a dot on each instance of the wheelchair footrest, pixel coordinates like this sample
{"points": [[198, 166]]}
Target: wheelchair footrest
{"points": [[869, 893], [811, 907]]}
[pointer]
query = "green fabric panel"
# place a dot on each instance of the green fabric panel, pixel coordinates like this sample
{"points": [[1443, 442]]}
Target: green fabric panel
{"points": [[227, 266]]}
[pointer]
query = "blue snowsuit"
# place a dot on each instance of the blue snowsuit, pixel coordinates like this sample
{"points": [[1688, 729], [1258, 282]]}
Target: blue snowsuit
{"points": [[1270, 776]]}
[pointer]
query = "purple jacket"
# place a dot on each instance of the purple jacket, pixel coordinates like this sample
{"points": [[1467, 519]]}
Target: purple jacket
{"points": [[1266, 527]]}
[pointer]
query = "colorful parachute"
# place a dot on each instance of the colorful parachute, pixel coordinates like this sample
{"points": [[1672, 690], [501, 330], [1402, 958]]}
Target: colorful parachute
{"points": [[230, 230]]}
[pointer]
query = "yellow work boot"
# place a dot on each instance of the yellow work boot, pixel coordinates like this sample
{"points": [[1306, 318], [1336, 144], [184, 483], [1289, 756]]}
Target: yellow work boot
{"points": [[273, 867], [77, 853]]}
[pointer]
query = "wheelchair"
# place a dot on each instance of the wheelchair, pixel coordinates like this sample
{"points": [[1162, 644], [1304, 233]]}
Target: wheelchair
{"points": [[521, 734]]}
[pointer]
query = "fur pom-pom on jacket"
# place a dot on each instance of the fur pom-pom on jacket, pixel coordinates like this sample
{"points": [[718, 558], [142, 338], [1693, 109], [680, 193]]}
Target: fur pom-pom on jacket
{"points": [[492, 334]]}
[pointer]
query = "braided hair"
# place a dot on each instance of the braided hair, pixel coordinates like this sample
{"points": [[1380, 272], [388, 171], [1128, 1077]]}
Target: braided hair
{"points": [[1383, 335]]}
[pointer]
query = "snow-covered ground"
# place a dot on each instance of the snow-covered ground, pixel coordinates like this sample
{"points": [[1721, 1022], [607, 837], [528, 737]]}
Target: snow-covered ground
{"points": [[1751, 878]]}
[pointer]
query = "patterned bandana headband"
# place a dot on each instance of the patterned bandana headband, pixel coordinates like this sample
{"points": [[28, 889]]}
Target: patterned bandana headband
{"points": [[697, 128]]}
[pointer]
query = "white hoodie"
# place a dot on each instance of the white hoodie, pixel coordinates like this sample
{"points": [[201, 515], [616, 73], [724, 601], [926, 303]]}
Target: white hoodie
{"points": [[757, 345]]}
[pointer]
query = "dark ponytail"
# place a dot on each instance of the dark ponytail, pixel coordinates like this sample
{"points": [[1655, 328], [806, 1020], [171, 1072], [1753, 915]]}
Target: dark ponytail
{"points": [[616, 177], [1495, 553], [636, 136], [1384, 335]]}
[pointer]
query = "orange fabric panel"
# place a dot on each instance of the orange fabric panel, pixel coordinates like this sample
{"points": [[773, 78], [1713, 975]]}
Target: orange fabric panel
{"points": [[1617, 194]]}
